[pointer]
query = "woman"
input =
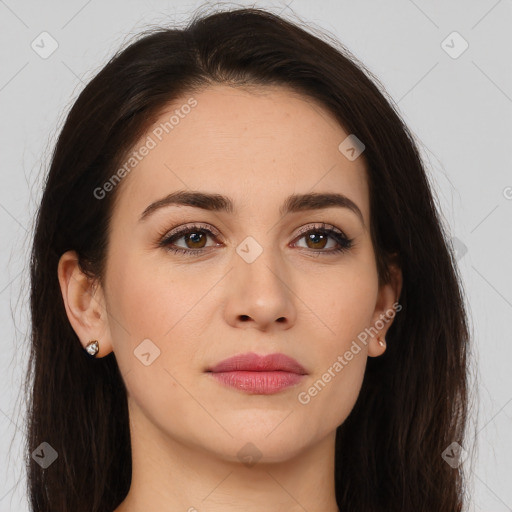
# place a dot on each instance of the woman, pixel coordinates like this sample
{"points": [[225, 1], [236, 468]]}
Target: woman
{"points": [[242, 296]]}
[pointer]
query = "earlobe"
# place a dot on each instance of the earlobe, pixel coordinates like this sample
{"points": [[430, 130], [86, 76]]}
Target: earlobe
{"points": [[385, 311], [85, 306]]}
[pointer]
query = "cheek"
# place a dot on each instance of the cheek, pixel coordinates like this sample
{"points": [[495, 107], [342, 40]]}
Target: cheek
{"points": [[331, 394], [150, 300], [343, 300], [166, 305], [150, 306], [335, 384], [347, 310], [352, 310]]}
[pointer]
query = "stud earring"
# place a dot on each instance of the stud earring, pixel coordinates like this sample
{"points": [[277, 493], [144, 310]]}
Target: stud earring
{"points": [[382, 342], [92, 348]]}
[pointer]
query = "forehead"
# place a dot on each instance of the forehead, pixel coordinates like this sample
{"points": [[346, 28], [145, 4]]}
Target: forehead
{"points": [[255, 145]]}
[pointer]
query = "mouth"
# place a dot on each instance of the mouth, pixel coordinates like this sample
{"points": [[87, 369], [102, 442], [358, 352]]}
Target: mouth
{"points": [[255, 374]]}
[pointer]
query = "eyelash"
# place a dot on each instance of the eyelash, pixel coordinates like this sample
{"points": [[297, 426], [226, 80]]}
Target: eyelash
{"points": [[166, 238]]}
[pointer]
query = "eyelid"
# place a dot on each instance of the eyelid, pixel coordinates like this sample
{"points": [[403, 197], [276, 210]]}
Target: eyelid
{"points": [[191, 226], [320, 225]]}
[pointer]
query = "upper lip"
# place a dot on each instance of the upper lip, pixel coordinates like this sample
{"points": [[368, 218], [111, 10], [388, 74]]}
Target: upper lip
{"points": [[256, 363]]}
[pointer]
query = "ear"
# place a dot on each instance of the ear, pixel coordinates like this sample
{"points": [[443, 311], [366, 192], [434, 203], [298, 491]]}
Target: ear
{"points": [[85, 303], [386, 309]]}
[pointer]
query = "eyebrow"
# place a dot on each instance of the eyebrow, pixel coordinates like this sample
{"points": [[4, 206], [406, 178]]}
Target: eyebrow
{"points": [[219, 203]]}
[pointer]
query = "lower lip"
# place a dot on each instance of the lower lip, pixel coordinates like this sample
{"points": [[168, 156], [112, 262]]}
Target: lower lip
{"points": [[260, 383]]}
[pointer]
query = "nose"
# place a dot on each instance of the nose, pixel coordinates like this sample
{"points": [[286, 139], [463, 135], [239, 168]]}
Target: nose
{"points": [[260, 294]]}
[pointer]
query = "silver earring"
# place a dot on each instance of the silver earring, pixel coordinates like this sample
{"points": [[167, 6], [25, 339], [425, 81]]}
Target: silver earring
{"points": [[92, 348], [382, 342]]}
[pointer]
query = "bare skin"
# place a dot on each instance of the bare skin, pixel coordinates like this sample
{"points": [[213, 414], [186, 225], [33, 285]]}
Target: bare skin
{"points": [[256, 147]]}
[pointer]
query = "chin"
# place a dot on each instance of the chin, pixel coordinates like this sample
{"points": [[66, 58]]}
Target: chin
{"points": [[248, 446]]}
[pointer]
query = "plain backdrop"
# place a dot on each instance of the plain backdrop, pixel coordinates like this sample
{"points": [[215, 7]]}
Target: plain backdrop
{"points": [[446, 64]]}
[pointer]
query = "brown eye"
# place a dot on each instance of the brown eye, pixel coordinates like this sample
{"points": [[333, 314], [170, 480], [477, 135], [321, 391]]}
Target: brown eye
{"points": [[194, 240], [317, 239]]}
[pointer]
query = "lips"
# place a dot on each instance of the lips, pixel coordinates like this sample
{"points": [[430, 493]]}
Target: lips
{"points": [[258, 375], [254, 363]]}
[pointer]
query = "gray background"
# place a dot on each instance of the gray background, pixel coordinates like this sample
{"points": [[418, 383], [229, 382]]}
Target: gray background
{"points": [[459, 108]]}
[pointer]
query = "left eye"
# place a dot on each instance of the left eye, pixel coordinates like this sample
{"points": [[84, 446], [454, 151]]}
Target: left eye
{"points": [[319, 236]]}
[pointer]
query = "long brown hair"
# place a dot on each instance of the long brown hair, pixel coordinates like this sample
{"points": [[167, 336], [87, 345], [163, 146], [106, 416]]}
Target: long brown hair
{"points": [[414, 399]]}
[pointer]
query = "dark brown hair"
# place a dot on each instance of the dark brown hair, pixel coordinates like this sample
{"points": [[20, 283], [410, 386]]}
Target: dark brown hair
{"points": [[414, 399]]}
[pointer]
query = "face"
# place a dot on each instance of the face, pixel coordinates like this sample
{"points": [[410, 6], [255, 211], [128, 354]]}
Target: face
{"points": [[187, 287]]}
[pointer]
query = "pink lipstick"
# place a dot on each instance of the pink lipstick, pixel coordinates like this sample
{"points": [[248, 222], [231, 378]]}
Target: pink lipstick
{"points": [[261, 375]]}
